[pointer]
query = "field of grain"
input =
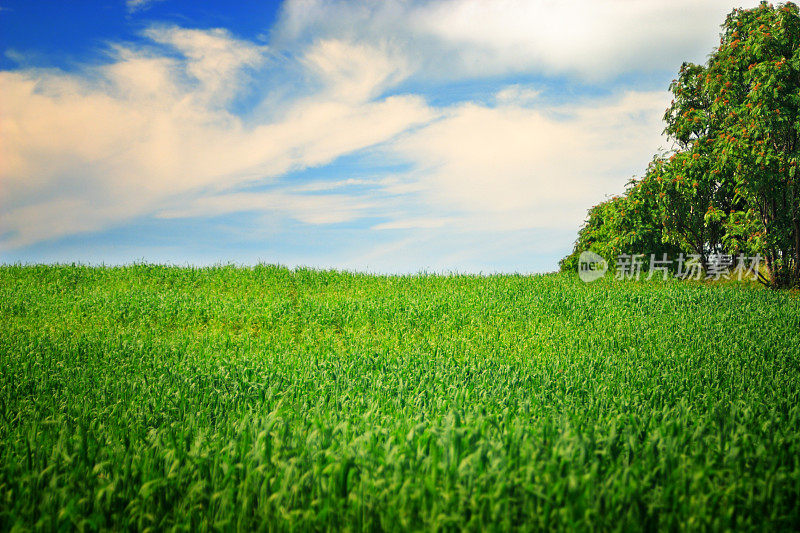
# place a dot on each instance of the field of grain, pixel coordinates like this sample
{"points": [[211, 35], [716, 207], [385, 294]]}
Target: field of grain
{"points": [[151, 397]]}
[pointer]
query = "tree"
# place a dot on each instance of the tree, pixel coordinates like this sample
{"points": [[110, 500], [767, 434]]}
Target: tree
{"points": [[692, 190], [736, 121], [622, 224], [731, 183]]}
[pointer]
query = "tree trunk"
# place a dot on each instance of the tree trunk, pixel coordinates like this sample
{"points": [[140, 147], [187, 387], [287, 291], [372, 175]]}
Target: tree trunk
{"points": [[796, 229]]}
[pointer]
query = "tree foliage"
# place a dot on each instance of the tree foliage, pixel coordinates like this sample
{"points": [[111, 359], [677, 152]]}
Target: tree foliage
{"points": [[730, 184], [623, 224]]}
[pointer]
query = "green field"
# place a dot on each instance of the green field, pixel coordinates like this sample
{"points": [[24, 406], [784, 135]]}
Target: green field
{"points": [[267, 398]]}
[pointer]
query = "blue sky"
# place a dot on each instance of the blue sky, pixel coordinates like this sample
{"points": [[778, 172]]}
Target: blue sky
{"points": [[391, 136]]}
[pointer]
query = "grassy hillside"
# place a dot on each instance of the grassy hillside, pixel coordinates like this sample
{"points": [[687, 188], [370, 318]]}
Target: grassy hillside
{"points": [[241, 398]]}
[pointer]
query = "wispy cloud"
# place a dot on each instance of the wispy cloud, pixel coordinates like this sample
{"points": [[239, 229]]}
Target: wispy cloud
{"points": [[147, 130], [139, 5], [311, 209], [511, 166], [584, 38]]}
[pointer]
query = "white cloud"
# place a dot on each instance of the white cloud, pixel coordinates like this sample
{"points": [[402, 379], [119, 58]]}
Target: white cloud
{"points": [[83, 151], [418, 223], [586, 38], [514, 167], [213, 58], [517, 94], [139, 5], [355, 72], [311, 209]]}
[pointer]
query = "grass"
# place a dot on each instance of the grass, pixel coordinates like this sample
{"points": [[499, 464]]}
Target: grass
{"points": [[150, 397]]}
